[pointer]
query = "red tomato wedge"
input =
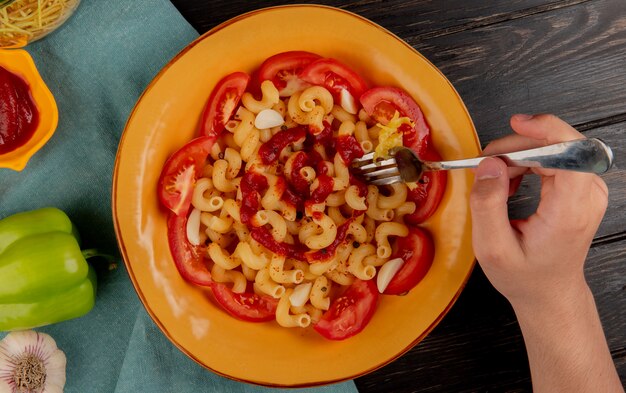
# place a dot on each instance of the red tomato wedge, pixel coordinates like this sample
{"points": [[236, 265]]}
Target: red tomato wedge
{"points": [[222, 103], [283, 70], [246, 306], [335, 77], [188, 258], [350, 312], [418, 251], [429, 192], [382, 102], [179, 174]]}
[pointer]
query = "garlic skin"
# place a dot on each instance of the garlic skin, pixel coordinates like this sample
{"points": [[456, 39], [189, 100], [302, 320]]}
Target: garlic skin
{"points": [[31, 362]]}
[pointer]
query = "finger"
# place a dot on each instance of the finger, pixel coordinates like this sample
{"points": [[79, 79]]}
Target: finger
{"points": [[550, 129], [544, 127], [491, 230], [511, 143], [566, 190]]}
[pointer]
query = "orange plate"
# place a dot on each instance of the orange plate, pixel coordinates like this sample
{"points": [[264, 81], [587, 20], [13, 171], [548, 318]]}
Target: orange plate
{"points": [[20, 63], [166, 117]]}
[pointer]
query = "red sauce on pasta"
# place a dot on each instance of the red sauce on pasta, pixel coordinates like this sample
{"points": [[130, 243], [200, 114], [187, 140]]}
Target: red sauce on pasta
{"points": [[329, 252], [294, 199], [19, 116], [348, 148], [252, 184], [298, 251], [317, 160], [324, 189], [265, 238], [295, 178], [325, 137], [280, 186], [296, 190], [361, 186], [270, 150]]}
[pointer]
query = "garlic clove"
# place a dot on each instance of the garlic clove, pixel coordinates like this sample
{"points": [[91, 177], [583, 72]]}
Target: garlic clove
{"points": [[387, 272], [348, 103], [268, 118], [300, 294], [193, 227]]}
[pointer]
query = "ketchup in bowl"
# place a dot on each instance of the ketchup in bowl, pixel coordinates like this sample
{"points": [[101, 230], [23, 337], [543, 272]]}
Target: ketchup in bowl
{"points": [[19, 116]]}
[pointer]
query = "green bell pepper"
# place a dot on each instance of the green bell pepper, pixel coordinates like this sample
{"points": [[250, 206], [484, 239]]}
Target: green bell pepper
{"points": [[44, 275]]}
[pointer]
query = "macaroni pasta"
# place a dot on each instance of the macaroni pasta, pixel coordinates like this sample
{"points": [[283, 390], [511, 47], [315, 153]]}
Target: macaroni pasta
{"points": [[276, 209]]}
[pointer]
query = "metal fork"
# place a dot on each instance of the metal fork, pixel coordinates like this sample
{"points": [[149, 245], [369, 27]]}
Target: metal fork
{"points": [[582, 155]]}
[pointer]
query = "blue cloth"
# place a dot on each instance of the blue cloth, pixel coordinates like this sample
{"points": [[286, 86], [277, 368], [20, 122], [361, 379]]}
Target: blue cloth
{"points": [[97, 65]]}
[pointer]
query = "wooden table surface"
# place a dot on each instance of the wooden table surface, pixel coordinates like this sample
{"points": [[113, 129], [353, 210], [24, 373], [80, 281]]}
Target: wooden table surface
{"points": [[566, 57]]}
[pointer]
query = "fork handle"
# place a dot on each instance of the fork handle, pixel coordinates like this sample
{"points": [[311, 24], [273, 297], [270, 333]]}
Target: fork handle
{"points": [[582, 155]]}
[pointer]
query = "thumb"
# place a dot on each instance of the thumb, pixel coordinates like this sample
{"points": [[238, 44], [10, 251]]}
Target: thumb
{"points": [[491, 229]]}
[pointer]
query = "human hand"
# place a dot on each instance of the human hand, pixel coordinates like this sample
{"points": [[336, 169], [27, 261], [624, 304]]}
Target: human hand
{"points": [[539, 259]]}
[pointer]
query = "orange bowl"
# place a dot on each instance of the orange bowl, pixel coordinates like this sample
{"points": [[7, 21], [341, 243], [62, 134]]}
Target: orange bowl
{"points": [[20, 63], [166, 117]]}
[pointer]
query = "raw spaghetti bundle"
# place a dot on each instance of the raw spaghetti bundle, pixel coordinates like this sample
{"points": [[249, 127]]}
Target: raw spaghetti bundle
{"points": [[24, 21]]}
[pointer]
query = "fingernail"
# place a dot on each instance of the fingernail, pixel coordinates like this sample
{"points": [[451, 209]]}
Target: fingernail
{"points": [[523, 117], [488, 169]]}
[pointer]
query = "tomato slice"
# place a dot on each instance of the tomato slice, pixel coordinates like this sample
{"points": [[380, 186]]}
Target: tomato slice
{"points": [[222, 103], [418, 251], [334, 76], [188, 258], [382, 102], [350, 312], [428, 193], [246, 306], [179, 174], [283, 69]]}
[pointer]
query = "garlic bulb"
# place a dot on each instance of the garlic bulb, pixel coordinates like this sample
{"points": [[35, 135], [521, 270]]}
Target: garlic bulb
{"points": [[31, 362]]}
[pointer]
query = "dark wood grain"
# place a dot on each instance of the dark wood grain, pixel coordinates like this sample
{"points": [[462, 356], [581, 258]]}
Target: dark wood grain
{"points": [[570, 62], [404, 18], [566, 57]]}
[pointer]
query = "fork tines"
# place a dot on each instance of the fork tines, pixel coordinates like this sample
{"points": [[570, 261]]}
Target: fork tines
{"points": [[379, 173]]}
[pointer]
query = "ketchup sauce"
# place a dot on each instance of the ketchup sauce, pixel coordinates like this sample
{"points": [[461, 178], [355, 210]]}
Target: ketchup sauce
{"points": [[19, 116], [324, 189], [296, 180], [252, 184], [265, 238], [297, 190], [270, 150], [327, 253], [348, 148], [361, 186]]}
